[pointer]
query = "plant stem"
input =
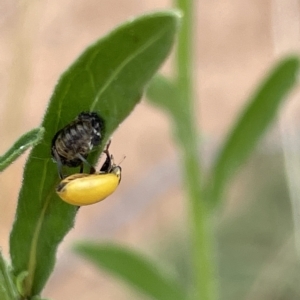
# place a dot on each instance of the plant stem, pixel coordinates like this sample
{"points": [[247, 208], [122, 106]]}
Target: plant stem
{"points": [[201, 235]]}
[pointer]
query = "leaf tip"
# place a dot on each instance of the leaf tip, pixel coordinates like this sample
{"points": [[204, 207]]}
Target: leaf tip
{"points": [[176, 13], [292, 61]]}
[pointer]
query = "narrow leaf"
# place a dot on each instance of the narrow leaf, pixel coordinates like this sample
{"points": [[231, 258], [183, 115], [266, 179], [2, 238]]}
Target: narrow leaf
{"points": [[8, 290], [256, 246], [29, 139], [109, 78], [252, 124], [162, 92], [133, 268]]}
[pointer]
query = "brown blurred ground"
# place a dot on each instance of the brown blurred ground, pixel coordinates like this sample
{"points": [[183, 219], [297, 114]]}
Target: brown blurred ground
{"points": [[38, 40]]}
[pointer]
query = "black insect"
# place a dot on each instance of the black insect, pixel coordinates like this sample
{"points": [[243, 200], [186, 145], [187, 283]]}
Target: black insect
{"points": [[72, 144]]}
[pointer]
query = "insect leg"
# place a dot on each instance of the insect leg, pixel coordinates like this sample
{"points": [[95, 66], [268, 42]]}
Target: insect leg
{"points": [[59, 163], [92, 170]]}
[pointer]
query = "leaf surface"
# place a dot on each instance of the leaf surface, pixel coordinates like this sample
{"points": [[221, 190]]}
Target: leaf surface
{"points": [[133, 268], [252, 124], [29, 139]]}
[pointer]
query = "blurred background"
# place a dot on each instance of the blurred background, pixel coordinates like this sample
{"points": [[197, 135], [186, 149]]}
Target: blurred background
{"points": [[235, 42]]}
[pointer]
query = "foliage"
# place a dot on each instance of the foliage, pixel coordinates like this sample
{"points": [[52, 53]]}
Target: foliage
{"points": [[109, 78]]}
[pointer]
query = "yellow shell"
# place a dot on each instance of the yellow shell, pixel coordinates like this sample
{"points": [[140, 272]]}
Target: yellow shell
{"points": [[85, 189]]}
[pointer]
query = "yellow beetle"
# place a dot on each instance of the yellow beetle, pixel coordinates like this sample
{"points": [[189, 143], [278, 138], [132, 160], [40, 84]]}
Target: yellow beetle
{"points": [[85, 189]]}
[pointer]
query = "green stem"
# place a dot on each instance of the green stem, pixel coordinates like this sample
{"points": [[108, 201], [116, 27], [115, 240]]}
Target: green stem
{"points": [[201, 234]]}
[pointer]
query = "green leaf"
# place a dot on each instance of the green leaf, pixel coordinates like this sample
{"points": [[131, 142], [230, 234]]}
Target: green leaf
{"points": [[252, 124], [109, 78], [133, 268], [29, 139], [162, 92], [20, 282], [257, 254], [8, 290]]}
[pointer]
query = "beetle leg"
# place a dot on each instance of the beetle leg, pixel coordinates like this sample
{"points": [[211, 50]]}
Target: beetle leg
{"points": [[81, 168], [59, 163], [106, 167], [92, 169]]}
